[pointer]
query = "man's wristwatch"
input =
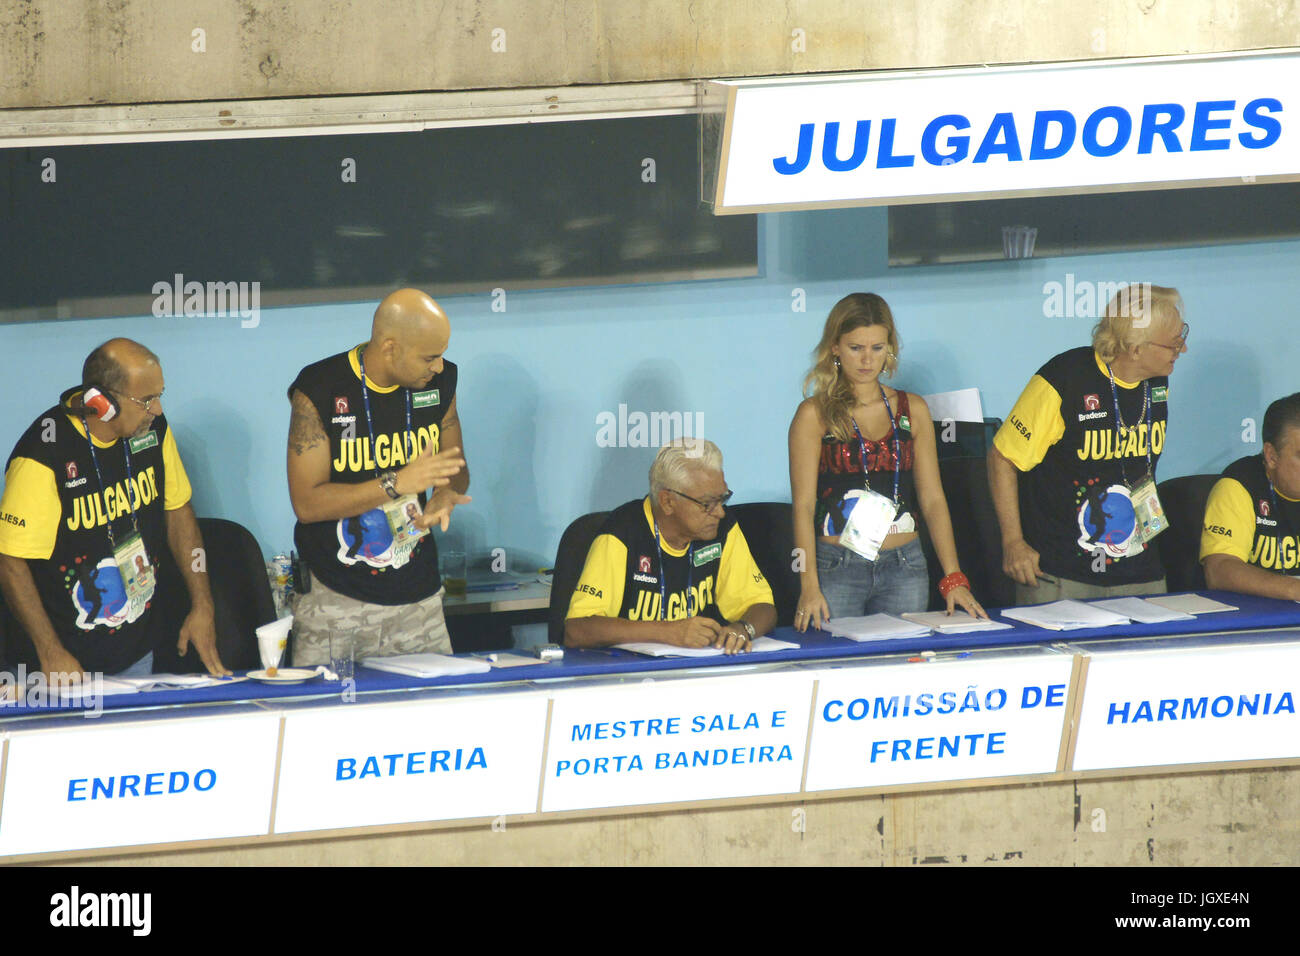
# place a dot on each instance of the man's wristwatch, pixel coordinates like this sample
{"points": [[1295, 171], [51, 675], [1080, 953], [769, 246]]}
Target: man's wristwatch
{"points": [[749, 628], [389, 481]]}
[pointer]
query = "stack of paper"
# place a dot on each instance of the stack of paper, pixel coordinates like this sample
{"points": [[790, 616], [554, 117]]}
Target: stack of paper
{"points": [[107, 686], [875, 627], [427, 665], [1146, 612], [1065, 616], [959, 623], [1191, 603], [504, 659], [651, 649]]}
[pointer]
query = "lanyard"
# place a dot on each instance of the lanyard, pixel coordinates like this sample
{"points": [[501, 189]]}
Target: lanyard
{"points": [[130, 480], [1121, 428], [1273, 497], [365, 395], [862, 445], [663, 590]]}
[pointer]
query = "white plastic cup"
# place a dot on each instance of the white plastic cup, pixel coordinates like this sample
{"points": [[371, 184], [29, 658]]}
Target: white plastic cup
{"points": [[271, 641]]}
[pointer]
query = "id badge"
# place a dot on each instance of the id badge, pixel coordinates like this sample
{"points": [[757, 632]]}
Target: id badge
{"points": [[401, 514], [137, 574], [1149, 518], [868, 524]]}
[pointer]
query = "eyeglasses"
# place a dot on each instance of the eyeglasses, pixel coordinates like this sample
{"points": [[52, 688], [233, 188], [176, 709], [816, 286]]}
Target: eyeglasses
{"points": [[147, 402], [706, 505], [1181, 338]]}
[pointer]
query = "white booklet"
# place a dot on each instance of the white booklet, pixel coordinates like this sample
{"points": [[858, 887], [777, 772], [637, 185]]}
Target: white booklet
{"points": [[1191, 603], [959, 623], [132, 685], [654, 649], [506, 659], [427, 665], [875, 627], [1144, 611], [1065, 616]]}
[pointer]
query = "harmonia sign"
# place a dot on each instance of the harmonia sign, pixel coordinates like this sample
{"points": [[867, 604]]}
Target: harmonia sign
{"points": [[891, 138]]}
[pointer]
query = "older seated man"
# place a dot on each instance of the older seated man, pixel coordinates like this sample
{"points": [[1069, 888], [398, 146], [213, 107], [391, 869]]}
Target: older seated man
{"points": [[1250, 540], [673, 567]]}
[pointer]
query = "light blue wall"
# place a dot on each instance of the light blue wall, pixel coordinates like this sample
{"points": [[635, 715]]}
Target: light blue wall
{"points": [[535, 378]]}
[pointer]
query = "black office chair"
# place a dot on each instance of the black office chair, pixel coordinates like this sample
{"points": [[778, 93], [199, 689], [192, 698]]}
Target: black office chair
{"points": [[1183, 500], [975, 532], [241, 596], [569, 559], [767, 526]]}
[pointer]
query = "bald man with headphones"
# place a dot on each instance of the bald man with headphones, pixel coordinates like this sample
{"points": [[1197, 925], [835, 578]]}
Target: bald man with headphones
{"points": [[94, 492]]}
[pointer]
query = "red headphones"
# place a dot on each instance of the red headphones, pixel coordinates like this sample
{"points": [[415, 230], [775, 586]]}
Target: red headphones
{"points": [[99, 402]]}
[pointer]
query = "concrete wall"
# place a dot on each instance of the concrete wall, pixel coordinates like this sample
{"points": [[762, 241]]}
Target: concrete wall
{"points": [[78, 52], [1234, 818]]}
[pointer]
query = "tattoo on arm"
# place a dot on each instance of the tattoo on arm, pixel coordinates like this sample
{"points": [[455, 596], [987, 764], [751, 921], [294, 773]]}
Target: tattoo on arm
{"points": [[305, 429]]}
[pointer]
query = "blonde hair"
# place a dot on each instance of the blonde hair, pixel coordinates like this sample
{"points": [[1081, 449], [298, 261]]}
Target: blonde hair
{"points": [[676, 459], [1136, 312], [831, 391]]}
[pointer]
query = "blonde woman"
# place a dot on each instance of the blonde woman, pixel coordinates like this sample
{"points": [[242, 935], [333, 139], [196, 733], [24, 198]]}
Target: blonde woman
{"points": [[859, 448]]}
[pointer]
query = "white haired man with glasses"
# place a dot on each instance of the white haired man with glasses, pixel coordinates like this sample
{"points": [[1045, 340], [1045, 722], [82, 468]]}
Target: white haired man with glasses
{"points": [[673, 567], [94, 493], [1072, 470]]}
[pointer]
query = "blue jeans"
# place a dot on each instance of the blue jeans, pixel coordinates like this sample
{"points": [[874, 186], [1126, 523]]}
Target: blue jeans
{"points": [[141, 668], [896, 581]]}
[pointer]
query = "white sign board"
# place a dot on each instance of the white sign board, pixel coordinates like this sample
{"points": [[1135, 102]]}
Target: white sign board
{"points": [[662, 742], [1155, 708], [197, 778], [364, 765], [919, 723], [875, 139]]}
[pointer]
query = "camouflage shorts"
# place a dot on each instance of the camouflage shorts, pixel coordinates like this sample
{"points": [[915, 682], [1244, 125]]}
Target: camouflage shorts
{"points": [[378, 630]]}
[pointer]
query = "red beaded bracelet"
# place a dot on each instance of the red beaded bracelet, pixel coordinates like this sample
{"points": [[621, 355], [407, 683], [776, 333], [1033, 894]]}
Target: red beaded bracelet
{"points": [[954, 580]]}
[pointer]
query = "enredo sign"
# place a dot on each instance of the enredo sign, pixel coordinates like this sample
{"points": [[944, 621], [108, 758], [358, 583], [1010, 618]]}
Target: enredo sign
{"points": [[1153, 708], [948, 720], [876, 139], [677, 740], [363, 765], [143, 782]]}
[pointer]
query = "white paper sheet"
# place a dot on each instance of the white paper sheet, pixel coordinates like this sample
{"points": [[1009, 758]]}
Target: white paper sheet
{"points": [[1191, 603], [1144, 611], [654, 649], [427, 665], [963, 405], [960, 622], [875, 627], [1065, 616]]}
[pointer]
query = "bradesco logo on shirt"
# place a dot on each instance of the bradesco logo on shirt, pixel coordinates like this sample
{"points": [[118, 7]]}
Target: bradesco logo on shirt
{"points": [[877, 725]]}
